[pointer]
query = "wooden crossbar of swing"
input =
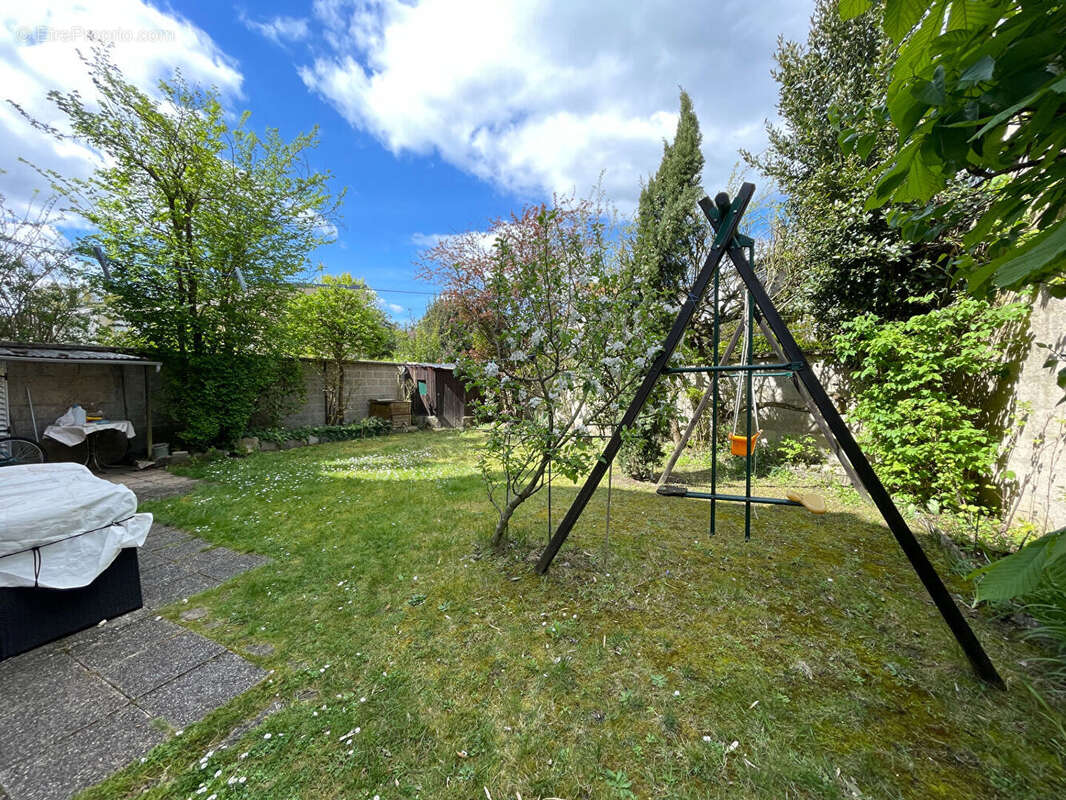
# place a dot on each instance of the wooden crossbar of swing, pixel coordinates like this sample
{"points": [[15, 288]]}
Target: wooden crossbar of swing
{"points": [[670, 490]]}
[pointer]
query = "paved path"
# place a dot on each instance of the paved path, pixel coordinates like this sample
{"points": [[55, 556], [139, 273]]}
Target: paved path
{"points": [[150, 484], [77, 710]]}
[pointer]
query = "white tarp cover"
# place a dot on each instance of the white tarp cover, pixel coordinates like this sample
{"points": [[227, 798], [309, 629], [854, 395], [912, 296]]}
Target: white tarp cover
{"points": [[64, 524], [71, 435]]}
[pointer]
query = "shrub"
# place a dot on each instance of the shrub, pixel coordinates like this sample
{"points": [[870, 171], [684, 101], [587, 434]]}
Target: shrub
{"points": [[918, 386], [213, 397], [793, 451], [371, 426], [642, 451], [770, 457]]}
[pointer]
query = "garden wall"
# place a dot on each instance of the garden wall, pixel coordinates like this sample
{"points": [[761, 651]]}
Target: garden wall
{"points": [[782, 411], [1037, 456], [1036, 451], [364, 381]]}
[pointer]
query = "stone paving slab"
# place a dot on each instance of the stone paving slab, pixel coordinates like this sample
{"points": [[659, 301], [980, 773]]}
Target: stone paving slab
{"points": [[150, 484], [103, 747], [176, 586], [68, 700], [76, 710], [143, 672], [181, 550], [194, 694], [164, 536], [110, 644]]}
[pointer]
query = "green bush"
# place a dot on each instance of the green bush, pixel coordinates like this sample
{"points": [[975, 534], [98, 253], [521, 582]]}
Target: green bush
{"points": [[371, 426], [918, 386], [793, 451], [212, 398], [643, 447]]}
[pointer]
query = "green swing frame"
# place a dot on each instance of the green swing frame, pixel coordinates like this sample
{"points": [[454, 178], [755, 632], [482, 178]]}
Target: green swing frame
{"points": [[724, 216]]}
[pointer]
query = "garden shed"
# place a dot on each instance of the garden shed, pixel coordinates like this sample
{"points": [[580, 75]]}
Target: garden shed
{"points": [[436, 392], [38, 382]]}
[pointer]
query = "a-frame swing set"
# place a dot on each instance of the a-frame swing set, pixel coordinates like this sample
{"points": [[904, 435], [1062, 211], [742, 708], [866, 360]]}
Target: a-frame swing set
{"points": [[724, 216]]}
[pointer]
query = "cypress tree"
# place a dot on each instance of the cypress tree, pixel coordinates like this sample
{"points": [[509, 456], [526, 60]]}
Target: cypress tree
{"points": [[669, 240], [669, 232]]}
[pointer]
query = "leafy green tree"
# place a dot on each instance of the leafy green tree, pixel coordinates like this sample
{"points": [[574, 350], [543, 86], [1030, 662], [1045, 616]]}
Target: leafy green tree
{"points": [[978, 89], [670, 231], [206, 223], [853, 258], [439, 336], [337, 320], [41, 296], [669, 242], [559, 340]]}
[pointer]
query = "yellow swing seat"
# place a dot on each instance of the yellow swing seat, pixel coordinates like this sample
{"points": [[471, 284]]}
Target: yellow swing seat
{"points": [[814, 503], [741, 445]]}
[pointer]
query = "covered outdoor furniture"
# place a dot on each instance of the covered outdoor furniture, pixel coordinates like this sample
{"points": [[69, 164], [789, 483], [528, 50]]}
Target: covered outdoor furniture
{"points": [[68, 554], [73, 435]]}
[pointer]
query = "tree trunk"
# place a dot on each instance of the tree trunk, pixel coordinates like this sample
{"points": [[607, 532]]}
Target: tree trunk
{"points": [[505, 516], [341, 399], [516, 500]]}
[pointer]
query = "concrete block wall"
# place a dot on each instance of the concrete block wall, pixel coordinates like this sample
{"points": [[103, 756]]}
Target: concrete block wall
{"points": [[1038, 457], [363, 381], [313, 410], [366, 381], [782, 411], [118, 391]]}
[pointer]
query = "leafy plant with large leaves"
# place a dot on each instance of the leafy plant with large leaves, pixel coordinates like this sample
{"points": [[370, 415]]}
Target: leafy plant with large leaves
{"points": [[1036, 576], [919, 388], [978, 88], [1036, 566]]}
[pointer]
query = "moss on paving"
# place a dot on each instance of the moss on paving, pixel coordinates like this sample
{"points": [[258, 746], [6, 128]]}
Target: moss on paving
{"points": [[665, 663]]}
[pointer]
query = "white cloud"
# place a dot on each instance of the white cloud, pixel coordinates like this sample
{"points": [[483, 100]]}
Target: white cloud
{"points": [[278, 29], [425, 241], [396, 308], [548, 95], [39, 44]]}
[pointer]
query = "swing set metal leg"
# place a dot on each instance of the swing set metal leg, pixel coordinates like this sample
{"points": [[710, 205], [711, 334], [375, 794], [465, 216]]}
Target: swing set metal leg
{"points": [[927, 574]]}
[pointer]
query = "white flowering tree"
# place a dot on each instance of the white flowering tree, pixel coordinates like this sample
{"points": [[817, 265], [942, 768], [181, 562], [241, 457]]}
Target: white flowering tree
{"points": [[559, 341]]}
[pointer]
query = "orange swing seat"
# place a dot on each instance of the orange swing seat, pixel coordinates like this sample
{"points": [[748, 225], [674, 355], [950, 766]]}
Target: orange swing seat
{"points": [[741, 445]]}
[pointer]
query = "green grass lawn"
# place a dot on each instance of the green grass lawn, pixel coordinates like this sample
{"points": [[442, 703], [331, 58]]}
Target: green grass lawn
{"points": [[411, 662]]}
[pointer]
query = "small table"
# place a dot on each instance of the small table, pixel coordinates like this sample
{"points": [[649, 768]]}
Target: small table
{"points": [[72, 435]]}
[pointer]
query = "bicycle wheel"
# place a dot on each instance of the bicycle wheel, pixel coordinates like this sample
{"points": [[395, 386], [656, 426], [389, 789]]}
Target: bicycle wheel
{"points": [[57, 453], [20, 451]]}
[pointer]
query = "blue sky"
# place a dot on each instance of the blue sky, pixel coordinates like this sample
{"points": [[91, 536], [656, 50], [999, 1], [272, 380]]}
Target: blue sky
{"points": [[436, 115]]}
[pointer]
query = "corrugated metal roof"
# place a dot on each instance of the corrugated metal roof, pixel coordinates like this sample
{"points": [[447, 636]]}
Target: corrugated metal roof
{"points": [[425, 364], [72, 354]]}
